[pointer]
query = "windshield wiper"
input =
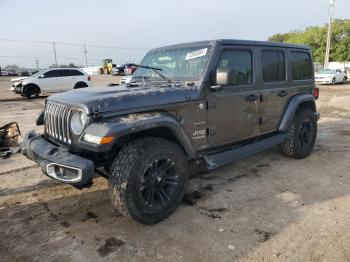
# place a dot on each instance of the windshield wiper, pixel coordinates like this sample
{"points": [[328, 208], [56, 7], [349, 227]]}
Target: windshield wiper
{"points": [[143, 78], [156, 70]]}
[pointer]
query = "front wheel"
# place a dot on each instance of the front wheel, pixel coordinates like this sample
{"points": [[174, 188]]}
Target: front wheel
{"points": [[148, 179], [302, 134], [333, 81], [31, 91]]}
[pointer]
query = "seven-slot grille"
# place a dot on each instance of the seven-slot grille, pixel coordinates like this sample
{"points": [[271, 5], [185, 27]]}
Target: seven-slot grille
{"points": [[57, 121]]}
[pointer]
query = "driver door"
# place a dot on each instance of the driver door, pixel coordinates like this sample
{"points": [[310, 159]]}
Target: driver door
{"points": [[48, 82], [234, 110]]}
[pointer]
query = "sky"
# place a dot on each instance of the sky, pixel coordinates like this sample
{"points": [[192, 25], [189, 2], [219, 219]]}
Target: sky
{"points": [[141, 25]]}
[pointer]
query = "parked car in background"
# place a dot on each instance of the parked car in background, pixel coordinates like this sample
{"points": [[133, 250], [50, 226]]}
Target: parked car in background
{"points": [[4, 73], [124, 69], [50, 81], [12, 73], [126, 79], [330, 76], [25, 73]]}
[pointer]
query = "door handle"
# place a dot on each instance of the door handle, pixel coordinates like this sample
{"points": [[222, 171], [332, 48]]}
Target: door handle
{"points": [[282, 93], [252, 98]]}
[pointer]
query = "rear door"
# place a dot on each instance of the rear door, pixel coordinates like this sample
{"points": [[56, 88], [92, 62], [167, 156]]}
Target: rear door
{"points": [[233, 111], [274, 86], [65, 80]]}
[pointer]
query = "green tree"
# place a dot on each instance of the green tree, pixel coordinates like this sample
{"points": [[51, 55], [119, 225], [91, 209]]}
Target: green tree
{"points": [[315, 37]]}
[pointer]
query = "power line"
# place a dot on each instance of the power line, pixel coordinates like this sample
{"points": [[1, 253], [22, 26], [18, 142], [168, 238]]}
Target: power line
{"points": [[59, 57], [71, 44], [314, 17]]}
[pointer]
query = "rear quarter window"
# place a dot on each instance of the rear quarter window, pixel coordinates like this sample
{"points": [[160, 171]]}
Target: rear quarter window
{"points": [[301, 65]]}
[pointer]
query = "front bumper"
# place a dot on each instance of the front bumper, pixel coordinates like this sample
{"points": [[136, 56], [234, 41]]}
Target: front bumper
{"points": [[323, 81], [57, 162]]}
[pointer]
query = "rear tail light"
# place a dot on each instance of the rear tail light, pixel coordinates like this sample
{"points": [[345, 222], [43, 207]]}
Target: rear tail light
{"points": [[89, 78], [316, 92]]}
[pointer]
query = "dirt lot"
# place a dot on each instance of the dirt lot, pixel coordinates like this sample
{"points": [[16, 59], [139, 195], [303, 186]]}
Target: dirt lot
{"points": [[264, 208]]}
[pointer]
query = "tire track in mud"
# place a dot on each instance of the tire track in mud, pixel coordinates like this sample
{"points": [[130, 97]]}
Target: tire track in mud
{"points": [[25, 189]]}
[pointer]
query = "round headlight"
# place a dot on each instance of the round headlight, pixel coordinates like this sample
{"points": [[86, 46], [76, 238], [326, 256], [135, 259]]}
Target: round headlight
{"points": [[78, 122]]}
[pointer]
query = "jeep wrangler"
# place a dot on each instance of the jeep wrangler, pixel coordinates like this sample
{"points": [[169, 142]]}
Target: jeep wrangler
{"points": [[212, 102]]}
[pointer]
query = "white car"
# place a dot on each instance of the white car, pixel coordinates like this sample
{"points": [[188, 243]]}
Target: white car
{"points": [[126, 79], [50, 81], [4, 73], [330, 76]]}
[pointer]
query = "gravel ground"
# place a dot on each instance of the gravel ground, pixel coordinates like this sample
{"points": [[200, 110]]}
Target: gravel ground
{"points": [[264, 208]]}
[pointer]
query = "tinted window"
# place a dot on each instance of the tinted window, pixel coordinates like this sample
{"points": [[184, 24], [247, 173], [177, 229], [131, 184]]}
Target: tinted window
{"points": [[301, 66], [75, 73], [273, 65], [52, 73], [69, 72], [240, 61]]}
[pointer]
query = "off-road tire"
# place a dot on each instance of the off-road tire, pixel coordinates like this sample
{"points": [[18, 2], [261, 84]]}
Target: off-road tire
{"points": [[292, 147], [128, 171], [31, 91]]}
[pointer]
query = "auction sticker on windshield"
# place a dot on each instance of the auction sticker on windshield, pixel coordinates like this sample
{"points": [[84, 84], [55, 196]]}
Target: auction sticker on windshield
{"points": [[196, 54]]}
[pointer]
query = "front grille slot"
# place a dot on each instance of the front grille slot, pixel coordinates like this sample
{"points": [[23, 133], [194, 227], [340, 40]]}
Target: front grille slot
{"points": [[57, 120]]}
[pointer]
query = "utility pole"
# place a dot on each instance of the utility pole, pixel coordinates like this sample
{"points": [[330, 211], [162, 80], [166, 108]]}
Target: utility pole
{"points": [[85, 52], [329, 33], [37, 63], [54, 51]]}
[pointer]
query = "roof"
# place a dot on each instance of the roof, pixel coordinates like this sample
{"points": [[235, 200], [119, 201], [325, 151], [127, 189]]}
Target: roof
{"points": [[236, 42]]}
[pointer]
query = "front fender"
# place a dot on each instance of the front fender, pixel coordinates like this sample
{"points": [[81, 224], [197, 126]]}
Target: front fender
{"points": [[292, 108], [122, 126]]}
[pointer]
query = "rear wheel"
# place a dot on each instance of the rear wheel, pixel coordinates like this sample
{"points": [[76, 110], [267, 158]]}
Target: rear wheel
{"points": [[148, 179], [302, 134], [31, 91], [80, 85]]}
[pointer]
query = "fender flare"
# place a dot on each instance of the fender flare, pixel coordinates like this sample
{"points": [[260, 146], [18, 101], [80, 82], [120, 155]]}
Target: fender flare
{"points": [[292, 108], [122, 126]]}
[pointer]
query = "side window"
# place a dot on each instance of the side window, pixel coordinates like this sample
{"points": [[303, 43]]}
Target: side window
{"points": [[63, 73], [273, 66], [49, 74], [301, 65], [75, 73], [240, 61]]}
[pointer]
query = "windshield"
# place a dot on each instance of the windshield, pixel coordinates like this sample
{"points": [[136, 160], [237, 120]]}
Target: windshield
{"points": [[326, 71], [38, 73], [177, 64]]}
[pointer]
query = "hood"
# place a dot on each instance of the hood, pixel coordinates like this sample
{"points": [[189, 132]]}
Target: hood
{"points": [[119, 98], [16, 79]]}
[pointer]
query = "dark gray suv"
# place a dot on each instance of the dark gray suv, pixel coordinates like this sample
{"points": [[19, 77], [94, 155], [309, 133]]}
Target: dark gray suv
{"points": [[211, 101]]}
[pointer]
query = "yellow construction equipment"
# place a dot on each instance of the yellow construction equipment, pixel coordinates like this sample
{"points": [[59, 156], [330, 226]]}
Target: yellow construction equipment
{"points": [[106, 68]]}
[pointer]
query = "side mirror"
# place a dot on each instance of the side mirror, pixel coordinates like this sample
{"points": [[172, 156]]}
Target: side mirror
{"points": [[41, 76], [223, 77]]}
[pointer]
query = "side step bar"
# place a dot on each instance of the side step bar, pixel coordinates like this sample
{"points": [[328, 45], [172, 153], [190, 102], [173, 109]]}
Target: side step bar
{"points": [[228, 156]]}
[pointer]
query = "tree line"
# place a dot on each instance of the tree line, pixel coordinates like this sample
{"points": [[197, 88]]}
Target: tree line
{"points": [[315, 37]]}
